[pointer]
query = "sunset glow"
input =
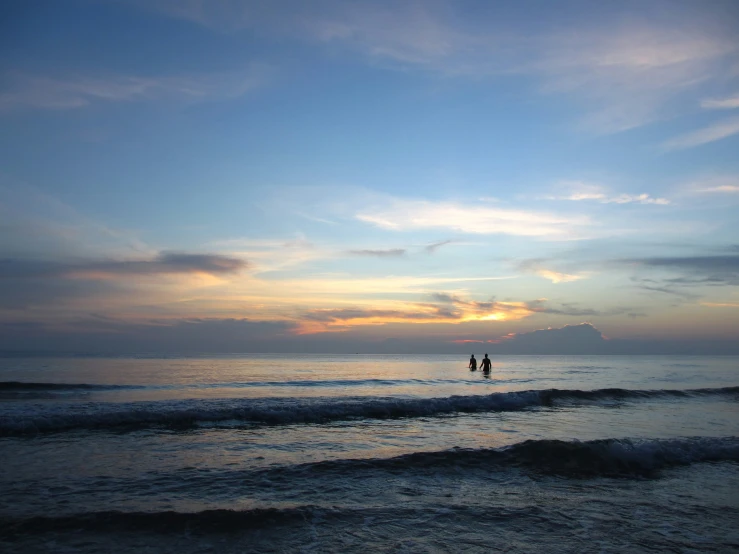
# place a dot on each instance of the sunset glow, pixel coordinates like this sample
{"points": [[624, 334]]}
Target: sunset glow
{"points": [[359, 173]]}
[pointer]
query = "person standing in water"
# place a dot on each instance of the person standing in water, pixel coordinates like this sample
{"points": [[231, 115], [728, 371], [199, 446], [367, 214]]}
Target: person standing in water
{"points": [[486, 363], [473, 363]]}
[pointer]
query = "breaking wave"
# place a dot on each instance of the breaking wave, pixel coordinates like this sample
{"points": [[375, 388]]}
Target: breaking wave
{"points": [[281, 411], [603, 457]]}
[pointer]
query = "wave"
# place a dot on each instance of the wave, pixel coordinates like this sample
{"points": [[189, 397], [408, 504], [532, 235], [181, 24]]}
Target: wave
{"points": [[170, 521], [19, 390], [281, 411], [580, 459], [23, 386], [603, 457], [347, 383], [594, 458], [613, 458], [227, 521]]}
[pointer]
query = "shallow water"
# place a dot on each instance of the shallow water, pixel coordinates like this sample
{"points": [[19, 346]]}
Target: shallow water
{"points": [[388, 453]]}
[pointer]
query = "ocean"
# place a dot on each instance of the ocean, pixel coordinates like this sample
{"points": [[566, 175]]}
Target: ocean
{"points": [[369, 453]]}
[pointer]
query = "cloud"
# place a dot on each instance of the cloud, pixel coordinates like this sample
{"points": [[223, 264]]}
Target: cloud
{"points": [[631, 73], [272, 255], [23, 292], [625, 68], [728, 184], [712, 133], [723, 188], [391, 253], [447, 309], [78, 91], [329, 286], [433, 247], [585, 338], [579, 191], [99, 333], [669, 289], [368, 316], [570, 339], [721, 304], [729, 262], [446, 297], [219, 15], [45, 283], [698, 270], [403, 215], [728, 103], [557, 277], [163, 264], [537, 266], [34, 224], [542, 306]]}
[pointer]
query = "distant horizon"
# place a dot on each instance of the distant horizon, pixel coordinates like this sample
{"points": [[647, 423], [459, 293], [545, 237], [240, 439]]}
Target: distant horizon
{"points": [[572, 340], [155, 355]]}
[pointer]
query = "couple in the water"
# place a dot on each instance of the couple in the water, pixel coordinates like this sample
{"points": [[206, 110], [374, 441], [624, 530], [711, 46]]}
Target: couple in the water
{"points": [[485, 363]]}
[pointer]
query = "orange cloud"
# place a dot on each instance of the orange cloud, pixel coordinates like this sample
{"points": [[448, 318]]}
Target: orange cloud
{"points": [[451, 309]]}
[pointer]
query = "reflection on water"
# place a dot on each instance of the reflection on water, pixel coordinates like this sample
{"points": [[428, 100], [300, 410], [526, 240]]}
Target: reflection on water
{"points": [[254, 376]]}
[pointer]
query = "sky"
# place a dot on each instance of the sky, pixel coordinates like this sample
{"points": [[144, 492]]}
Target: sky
{"points": [[341, 176]]}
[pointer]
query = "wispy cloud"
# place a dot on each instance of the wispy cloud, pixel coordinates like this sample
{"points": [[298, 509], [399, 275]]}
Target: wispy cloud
{"points": [[269, 255], [631, 73], [580, 191], [668, 289], [122, 285], [715, 270], [37, 225], [543, 306], [403, 215], [715, 184], [722, 188], [341, 286], [218, 15], [77, 91], [626, 69], [538, 267], [167, 263], [557, 277], [728, 103], [433, 247], [391, 253], [729, 262], [712, 133], [448, 309]]}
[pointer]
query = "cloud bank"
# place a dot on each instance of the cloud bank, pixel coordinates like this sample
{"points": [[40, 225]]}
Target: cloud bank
{"points": [[406, 215]]}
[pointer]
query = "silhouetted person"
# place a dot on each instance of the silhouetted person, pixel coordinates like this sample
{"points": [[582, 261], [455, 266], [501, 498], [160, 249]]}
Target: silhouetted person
{"points": [[486, 363], [473, 363]]}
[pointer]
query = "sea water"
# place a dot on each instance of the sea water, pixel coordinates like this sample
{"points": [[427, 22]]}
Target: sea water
{"points": [[369, 453]]}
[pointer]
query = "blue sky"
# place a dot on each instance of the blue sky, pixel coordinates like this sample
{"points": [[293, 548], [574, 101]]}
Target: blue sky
{"points": [[352, 172]]}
